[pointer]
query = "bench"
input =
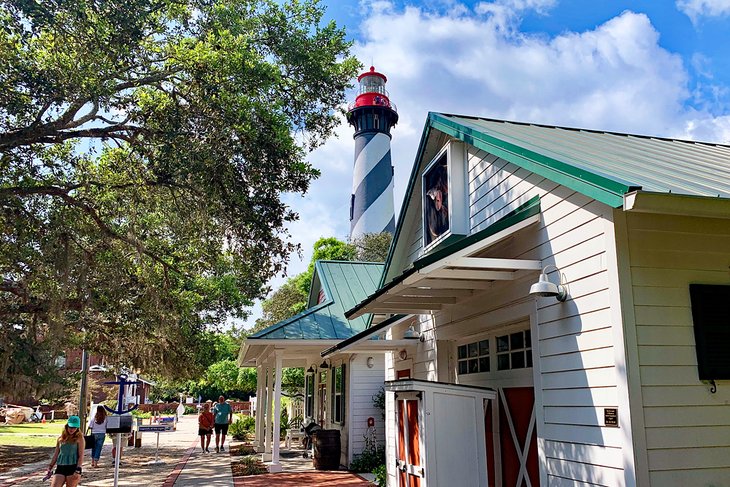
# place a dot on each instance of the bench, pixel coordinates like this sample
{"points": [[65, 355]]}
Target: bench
{"points": [[294, 432]]}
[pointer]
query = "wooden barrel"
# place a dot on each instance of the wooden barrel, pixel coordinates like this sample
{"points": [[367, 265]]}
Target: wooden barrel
{"points": [[326, 449]]}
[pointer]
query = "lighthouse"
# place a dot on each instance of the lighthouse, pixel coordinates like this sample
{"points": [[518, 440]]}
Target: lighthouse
{"points": [[372, 115]]}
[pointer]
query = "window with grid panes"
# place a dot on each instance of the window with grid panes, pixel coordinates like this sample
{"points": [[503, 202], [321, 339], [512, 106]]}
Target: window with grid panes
{"points": [[338, 394], [514, 351], [473, 357], [309, 396]]}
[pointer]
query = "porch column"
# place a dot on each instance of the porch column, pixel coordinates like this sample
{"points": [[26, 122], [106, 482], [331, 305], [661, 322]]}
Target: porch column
{"points": [[260, 401], [269, 400], [275, 466]]}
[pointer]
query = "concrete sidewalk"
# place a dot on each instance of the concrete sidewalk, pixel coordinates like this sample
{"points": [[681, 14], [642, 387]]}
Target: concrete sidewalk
{"points": [[196, 468], [209, 469]]}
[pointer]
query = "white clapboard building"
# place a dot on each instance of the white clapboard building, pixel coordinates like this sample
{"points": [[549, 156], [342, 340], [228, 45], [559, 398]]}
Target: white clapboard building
{"points": [[567, 295]]}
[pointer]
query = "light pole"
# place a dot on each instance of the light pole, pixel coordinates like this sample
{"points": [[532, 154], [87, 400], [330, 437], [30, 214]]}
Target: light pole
{"points": [[84, 382]]}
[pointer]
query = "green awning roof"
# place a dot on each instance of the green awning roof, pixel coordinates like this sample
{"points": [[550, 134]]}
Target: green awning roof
{"points": [[345, 284]]}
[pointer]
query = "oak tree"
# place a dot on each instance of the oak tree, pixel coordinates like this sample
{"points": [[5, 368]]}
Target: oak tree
{"points": [[144, 147]]}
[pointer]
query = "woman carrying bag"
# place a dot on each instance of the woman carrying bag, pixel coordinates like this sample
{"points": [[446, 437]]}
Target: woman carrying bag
{"points": [[97, 428], [68, 456]]}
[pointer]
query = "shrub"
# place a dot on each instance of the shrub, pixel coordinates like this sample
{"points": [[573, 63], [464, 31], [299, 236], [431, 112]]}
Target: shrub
{"points": [[241, 450], [138, 413], [250, 465], [283, 423], [381, 476], [241, 428], [368, 460], [191, 410], [379, 401]]}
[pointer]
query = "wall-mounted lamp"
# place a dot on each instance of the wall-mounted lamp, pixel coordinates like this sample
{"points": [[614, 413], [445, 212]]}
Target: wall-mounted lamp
{"points": [[310, 370], [412, 334], [543, 287], [370, 362], [324, 364]]}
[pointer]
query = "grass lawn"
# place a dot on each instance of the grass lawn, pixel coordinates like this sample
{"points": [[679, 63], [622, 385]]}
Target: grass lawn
{"points": [[28, 440], [48, 428]]}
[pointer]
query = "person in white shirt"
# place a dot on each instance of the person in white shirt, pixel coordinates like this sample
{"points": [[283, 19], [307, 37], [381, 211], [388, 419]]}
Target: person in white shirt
{"points": [[97, 425]]}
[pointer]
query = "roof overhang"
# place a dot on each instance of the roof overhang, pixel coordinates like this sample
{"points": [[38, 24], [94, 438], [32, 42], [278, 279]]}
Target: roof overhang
{"points": [[677, 204], [365, 341], [257, 350], [432, 284]]}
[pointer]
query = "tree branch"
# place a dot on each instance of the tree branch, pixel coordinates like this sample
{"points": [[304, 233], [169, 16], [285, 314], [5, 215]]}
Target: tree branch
{"points": [[13, 287], [37, 307], [108, 231]]}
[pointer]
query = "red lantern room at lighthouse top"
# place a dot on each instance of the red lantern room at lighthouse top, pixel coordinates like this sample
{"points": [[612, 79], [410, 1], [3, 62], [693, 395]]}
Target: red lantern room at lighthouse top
{"points": [[372, 110], [372, 90]]}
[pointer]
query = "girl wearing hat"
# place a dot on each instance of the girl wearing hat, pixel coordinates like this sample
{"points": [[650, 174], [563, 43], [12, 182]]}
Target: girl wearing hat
{"points": [[68, 456]]}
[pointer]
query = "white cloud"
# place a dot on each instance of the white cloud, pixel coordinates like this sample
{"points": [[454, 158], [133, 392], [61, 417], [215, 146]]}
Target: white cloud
{"points": [[477, 62], [505, 14], [694, 9], [613, 77]]}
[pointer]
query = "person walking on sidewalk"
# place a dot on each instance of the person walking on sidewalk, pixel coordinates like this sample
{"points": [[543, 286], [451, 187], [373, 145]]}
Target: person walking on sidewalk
{"points": [[97, 425], [68, 456], [205, 427], [223, 417]]}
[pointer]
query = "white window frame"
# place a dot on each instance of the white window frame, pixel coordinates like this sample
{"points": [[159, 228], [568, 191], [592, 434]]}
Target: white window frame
{"points": [[309, 399], [338, 414], [458, 200], [467, 359], [494, 373]]}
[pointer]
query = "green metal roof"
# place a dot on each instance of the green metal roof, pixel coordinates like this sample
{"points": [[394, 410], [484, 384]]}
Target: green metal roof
{"points": [[345, 284], [603, 165]]}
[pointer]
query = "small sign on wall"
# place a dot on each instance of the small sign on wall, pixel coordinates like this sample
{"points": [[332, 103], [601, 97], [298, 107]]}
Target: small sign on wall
{"points": [[610, 417]]}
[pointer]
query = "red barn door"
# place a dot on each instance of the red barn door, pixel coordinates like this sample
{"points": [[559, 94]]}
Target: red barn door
{"points": [[517, 438], [408, 461]]}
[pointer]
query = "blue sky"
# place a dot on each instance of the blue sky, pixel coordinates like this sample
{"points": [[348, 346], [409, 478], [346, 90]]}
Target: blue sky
{"points": [[656, 67]]}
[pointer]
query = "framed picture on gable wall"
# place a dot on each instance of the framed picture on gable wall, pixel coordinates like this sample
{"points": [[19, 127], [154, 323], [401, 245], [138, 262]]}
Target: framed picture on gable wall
{"points": [[436, 200]]}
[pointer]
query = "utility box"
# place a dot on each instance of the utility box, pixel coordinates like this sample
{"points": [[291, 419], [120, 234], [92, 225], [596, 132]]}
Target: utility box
{"points": [[119, 424], [439, 432]]}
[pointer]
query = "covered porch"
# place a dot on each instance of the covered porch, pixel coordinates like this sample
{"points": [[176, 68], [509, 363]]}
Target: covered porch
{"points": [[270, 359]]}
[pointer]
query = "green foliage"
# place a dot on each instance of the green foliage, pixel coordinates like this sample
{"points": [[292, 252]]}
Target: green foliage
{"points": [[381, 475], [214, 348], [371, 456], [144, 149], [379, 401], [242, 428], [286, 301], [292, 380], [166, 390], [291, 298], [137, 413], [368, 460], [249, 465], [373, 247], [283, 423], [224, 378], [191, 410]]}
